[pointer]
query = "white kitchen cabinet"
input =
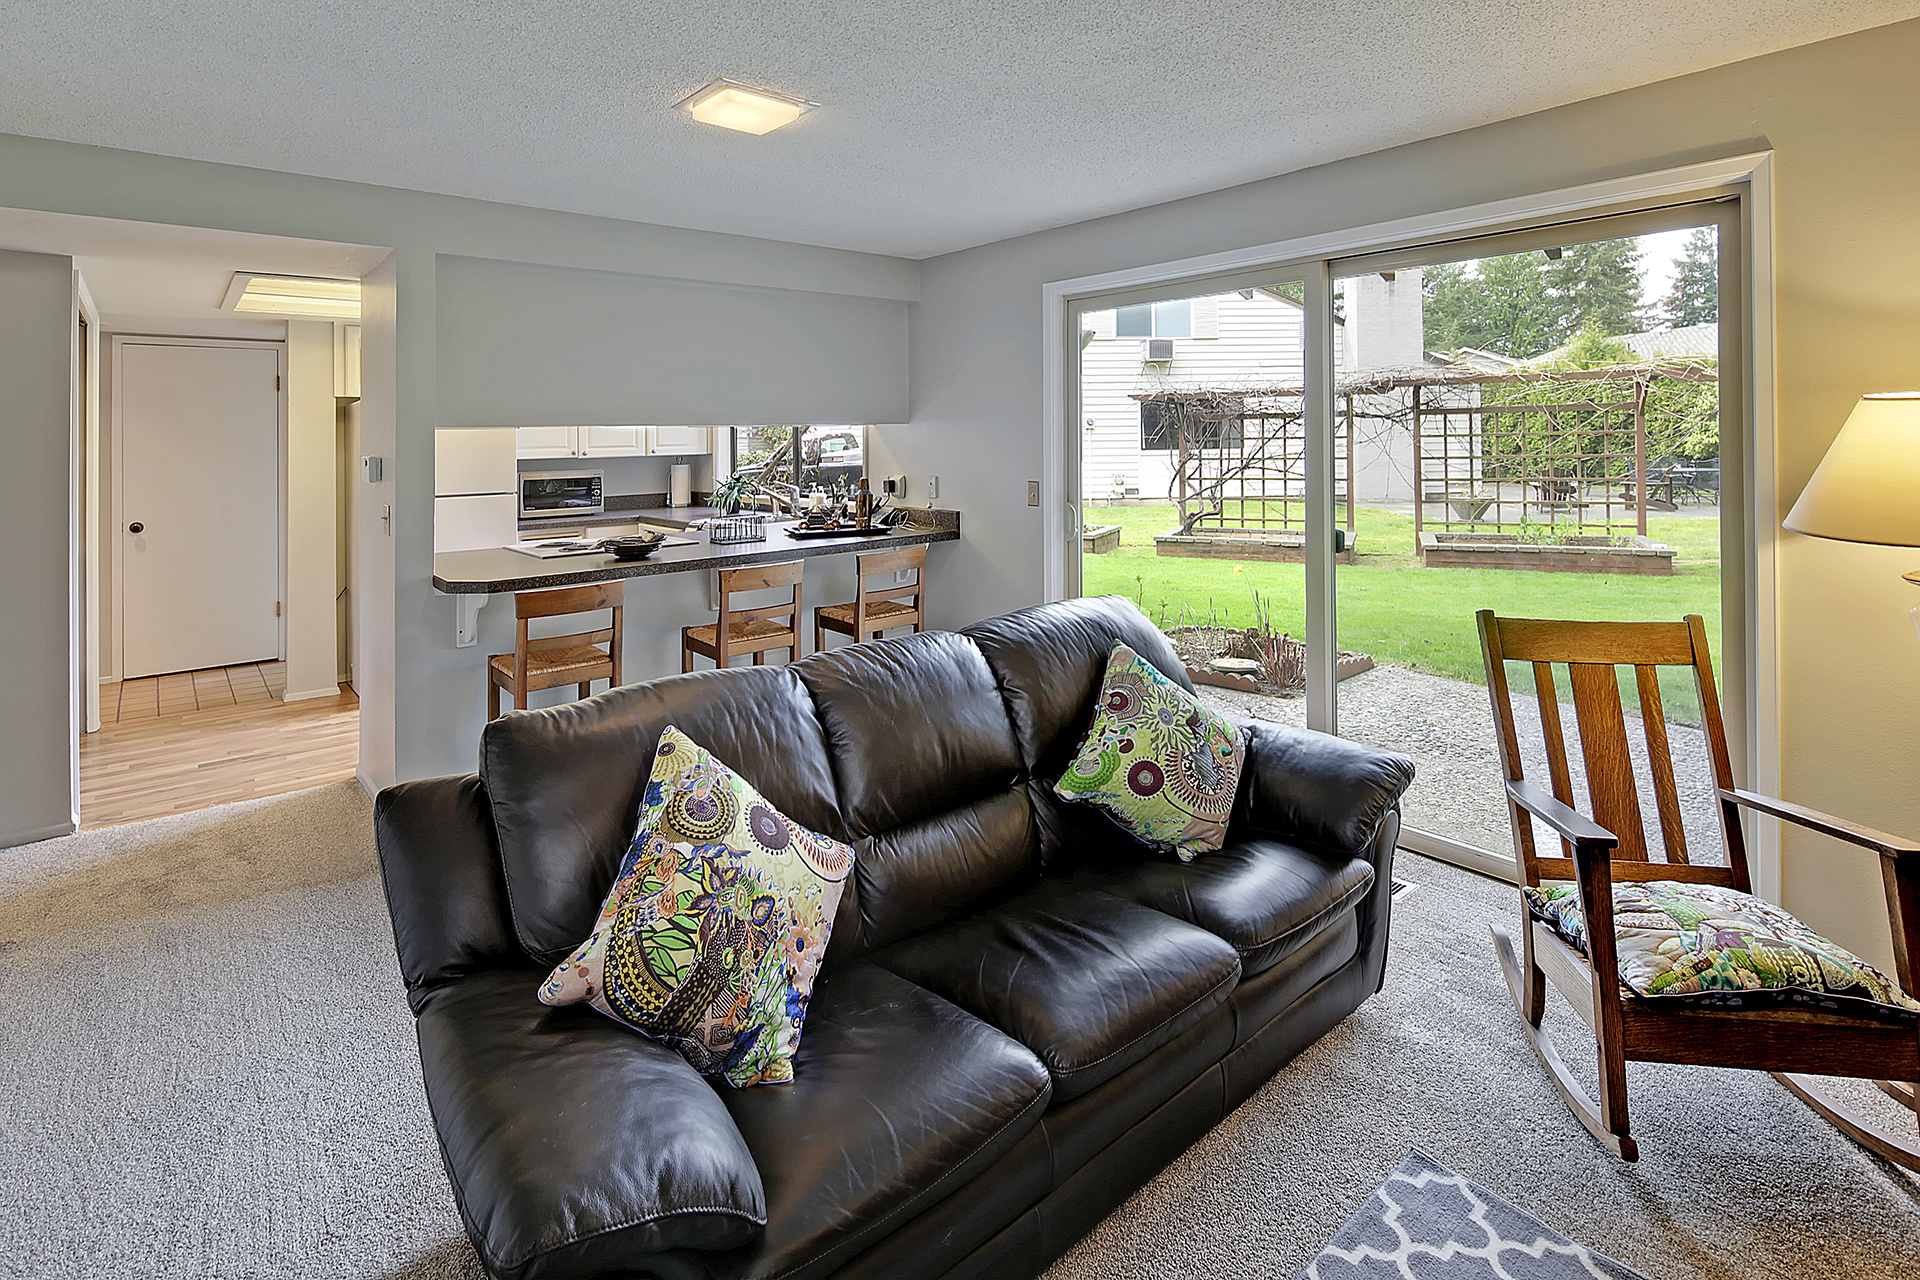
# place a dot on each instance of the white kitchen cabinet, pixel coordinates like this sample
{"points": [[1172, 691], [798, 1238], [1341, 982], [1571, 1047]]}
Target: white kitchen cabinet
{"points": [[475, 522], [679, 441], [546, 442], [611, 442], [474, 461]]}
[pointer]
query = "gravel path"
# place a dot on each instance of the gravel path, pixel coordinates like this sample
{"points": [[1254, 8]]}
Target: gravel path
{"points": [[1447, 727]]}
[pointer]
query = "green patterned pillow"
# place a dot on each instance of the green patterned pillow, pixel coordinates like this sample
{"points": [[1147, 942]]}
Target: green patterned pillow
{"points": [[1157, 760], [1714, 947], [712, 935]]}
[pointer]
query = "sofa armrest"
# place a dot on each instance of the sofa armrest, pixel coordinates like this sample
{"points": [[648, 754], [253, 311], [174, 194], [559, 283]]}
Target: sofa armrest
{"points": [[1314, 788], [443, 882]]}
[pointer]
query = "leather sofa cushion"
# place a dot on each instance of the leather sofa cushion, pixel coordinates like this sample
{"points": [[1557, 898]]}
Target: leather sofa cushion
{"points": [[1265, 897], [1090, 982], [916, 727], [898, 1099], [1049, 659], [565, 783], [575, 1146], [927, 873]]}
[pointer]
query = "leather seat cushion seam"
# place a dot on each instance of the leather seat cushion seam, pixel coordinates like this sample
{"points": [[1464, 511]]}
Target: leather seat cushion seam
{"points": [[911, 1201], [1314, 923], [1067, 1072]]}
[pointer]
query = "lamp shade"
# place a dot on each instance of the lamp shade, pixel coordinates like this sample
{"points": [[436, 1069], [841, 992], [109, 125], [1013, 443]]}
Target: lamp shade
{"points": [[1867, 488]]}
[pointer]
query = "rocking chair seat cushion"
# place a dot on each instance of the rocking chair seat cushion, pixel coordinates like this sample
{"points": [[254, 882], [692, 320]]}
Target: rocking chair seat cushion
{"points": [[1707, 946]]}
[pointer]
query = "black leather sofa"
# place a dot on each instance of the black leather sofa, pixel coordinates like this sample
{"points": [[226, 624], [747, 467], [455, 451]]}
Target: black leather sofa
{"points": [[1021, 1018]]}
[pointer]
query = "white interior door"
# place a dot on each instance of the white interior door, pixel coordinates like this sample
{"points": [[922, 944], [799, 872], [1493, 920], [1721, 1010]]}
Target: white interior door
{"points": [[199, 450]]}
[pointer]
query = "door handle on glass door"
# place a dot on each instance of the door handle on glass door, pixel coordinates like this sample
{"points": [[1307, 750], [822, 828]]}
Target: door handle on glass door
{"points": [[135, 527]]}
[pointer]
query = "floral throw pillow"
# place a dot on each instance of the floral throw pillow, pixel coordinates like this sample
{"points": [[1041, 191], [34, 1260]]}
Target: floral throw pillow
{"points": [[1710, 946], [1157, 760], [712, 935]]}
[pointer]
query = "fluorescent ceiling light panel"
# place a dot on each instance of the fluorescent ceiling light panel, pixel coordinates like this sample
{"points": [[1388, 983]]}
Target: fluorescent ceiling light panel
{"points": [[733, 105], [293, 296]]}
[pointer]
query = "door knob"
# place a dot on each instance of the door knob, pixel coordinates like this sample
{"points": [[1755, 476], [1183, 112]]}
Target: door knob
{"points": [[135, 527]]}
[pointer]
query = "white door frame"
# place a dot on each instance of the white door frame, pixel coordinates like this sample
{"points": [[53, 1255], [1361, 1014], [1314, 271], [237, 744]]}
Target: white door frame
{"points": [[85, 542], [123, 340], [1749, 175]]}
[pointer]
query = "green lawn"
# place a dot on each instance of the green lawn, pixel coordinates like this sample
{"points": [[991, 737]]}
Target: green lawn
{"points": [[1391, 607]]}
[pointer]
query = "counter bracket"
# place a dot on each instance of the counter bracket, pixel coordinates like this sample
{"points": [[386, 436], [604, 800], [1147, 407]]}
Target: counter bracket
{"points": [[466, 630]]}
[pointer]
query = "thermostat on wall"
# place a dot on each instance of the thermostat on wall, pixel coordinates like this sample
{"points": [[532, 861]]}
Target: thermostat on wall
{"points": [[376, 469]]}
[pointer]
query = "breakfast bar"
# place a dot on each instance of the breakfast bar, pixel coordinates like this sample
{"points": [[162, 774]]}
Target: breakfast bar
{"points": [[471, 577]]}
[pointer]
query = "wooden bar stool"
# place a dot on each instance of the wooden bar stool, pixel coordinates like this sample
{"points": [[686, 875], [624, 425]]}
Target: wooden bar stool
{"points": [[873, 612], [753, 631], [551, 661]]}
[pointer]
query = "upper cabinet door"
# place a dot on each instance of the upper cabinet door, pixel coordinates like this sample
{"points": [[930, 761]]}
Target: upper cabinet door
{"points": [[611, 442], [475, 461], [546, 442], [680, 440]]}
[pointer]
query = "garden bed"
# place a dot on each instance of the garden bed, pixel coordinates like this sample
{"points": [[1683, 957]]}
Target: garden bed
{"points": [[1253, 661], [1282, 546], [1631, 555]]}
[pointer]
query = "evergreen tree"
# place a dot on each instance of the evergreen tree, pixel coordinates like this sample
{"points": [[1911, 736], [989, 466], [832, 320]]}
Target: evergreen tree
{"points": [[1695, 296], [1500, 304], [1596, 287]]}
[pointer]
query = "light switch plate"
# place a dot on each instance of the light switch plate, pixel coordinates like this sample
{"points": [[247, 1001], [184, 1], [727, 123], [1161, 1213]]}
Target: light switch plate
{"points": [[1033, 493]]}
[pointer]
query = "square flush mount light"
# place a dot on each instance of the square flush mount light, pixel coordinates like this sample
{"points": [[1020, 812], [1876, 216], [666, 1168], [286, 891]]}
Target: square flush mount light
{"points": [[733, 105], [293, 296]]}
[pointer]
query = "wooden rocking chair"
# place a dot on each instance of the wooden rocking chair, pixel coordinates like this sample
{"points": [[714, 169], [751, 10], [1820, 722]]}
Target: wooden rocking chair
{"points": [[1612, 845]]}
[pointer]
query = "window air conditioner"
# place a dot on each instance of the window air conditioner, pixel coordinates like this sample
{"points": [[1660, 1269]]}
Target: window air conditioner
{"points": [[1159, 350]]}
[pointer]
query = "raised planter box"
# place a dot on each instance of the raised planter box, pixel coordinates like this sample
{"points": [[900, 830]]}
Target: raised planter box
{"points": [[1286, 546], [1100, 539], [1575, 555], [1345, 667]]}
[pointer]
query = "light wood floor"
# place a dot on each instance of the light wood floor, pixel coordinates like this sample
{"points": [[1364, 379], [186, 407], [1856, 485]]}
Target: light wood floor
{"points": [[182, 691], [203, 750]]}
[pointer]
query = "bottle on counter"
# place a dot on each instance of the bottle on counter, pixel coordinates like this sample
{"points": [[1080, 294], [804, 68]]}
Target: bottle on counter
{"points": [[863, 506]]}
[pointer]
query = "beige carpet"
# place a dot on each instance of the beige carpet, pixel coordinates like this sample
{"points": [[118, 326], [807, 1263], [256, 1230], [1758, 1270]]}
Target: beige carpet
{"points": [[207, 1070]]}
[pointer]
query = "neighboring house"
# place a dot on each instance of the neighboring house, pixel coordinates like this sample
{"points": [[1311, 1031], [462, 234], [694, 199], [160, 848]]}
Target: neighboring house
{"points": [[1692, 342], [1229, 341]]}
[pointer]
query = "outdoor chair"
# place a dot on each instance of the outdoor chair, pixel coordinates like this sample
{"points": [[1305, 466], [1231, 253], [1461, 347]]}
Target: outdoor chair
{"points": [[1609, 847]]}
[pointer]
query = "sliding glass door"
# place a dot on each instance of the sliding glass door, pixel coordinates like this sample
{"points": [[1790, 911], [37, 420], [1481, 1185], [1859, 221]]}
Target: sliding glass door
{"points": [[1313, 479]]}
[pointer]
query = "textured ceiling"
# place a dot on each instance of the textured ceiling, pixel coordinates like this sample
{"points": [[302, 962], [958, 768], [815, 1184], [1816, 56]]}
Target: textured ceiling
{"points": [[943, 125]]}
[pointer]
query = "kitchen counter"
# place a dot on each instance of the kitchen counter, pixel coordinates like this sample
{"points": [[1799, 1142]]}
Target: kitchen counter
{"points": [[500, 571]]}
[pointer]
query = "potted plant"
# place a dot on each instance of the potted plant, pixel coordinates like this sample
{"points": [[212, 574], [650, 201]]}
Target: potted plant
{"points": [[731, 492]]}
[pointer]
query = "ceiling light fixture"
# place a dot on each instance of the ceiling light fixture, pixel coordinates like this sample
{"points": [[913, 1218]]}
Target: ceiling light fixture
{"points": [[733, 105], [293, 296]]}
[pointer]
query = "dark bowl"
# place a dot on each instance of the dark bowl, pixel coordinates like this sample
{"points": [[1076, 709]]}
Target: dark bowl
{"points": [[634, 547]]}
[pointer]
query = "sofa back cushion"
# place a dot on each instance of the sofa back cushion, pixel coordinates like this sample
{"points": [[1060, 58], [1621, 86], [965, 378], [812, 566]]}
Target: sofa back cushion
{"points": [[929, 777], [565, 783], [1048, 661]]}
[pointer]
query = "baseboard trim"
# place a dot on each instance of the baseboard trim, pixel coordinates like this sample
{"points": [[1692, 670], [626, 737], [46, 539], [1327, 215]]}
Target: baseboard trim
{"points": [[14, 838], [307, 695]]}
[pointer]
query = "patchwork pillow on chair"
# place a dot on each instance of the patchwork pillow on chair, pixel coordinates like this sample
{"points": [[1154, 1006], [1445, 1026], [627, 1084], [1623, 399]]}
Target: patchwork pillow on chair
{"points": [[1714, 947], [1157, 760], [713, 933]]}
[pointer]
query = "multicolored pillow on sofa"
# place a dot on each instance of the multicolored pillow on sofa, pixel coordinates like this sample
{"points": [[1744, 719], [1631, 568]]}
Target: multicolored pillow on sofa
{"points": [[1157, 760], [1714, 947], [713, 933]]}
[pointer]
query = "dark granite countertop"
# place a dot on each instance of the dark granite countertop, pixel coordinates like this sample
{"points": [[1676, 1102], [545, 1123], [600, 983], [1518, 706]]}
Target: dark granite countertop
{"points": [[500, 571]]}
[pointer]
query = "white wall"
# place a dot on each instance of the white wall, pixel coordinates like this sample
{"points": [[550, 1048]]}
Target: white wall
{"points": [[1840, 117], [38, 524], [312, 631]]}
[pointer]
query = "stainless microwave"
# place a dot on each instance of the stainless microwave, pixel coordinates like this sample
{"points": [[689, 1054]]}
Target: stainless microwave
{"points": [[560, 493]]}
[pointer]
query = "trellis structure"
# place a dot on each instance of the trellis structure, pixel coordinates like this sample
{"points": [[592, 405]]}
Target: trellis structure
{"points": [[1491, 451]]}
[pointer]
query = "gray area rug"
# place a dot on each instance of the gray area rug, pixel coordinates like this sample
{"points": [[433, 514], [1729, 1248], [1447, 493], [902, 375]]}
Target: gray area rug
{"points": [[207, 1069], [1426, 1222]]}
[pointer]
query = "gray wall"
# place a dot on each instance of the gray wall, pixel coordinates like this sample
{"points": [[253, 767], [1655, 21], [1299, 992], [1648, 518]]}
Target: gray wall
{"points": [[1841, 120], [37, 525], [523, 345]]}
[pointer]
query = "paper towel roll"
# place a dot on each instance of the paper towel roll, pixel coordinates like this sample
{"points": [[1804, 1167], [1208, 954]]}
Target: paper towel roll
{"points": [[680, 485]]}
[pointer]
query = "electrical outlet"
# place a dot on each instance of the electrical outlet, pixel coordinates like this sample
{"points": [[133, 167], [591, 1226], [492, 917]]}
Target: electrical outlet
{"points": [[895, 485], [1033, 493]]}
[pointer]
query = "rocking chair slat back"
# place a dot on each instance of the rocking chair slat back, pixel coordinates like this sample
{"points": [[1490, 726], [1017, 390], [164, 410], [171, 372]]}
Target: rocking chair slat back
{"points": [[1673, 834], [1592, 652]]}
